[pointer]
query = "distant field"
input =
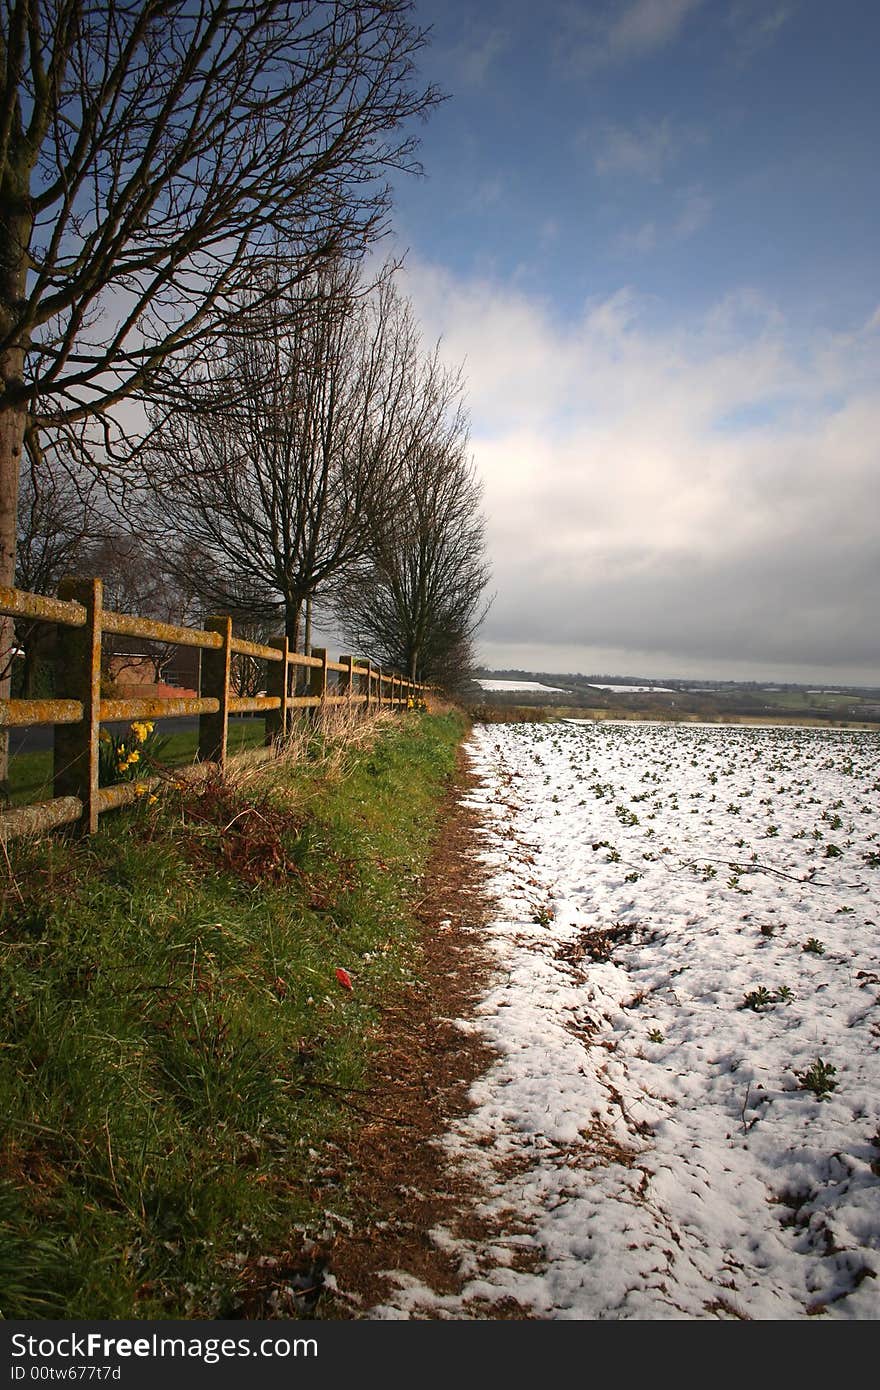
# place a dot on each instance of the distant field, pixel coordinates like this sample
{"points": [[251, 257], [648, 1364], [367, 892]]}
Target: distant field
{"points": [[504, 713], [648, 700], [501, 687]]}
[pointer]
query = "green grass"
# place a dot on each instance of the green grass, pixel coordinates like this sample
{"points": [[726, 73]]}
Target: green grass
{"points": [[30, 774], [177, 1052]]}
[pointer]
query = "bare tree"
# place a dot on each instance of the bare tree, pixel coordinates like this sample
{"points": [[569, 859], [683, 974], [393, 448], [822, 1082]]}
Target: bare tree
{"points": [[247, 675], [417, 601], [138, 580], [152, 153], [290, 438], [57, 511]]}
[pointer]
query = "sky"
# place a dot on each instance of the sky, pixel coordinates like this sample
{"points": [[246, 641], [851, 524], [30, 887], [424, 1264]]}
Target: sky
{"points": [[648, 231]]}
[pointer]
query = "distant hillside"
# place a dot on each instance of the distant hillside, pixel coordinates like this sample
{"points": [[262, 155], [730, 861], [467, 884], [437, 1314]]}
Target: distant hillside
{"points": [[671, 697]]}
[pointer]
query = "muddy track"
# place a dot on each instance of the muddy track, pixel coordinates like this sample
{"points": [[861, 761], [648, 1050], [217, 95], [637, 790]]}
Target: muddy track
{"points": [[401, 1181]]}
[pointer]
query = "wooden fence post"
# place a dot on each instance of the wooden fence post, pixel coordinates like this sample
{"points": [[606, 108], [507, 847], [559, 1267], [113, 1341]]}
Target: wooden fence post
{"points": [[344, 678], [78, 664], [318, 679], [214, 728], [278, 684]]}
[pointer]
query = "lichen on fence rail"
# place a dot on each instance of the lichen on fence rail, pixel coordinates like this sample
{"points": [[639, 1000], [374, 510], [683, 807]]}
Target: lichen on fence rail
{"points": [[23, 713], [78, 712]]}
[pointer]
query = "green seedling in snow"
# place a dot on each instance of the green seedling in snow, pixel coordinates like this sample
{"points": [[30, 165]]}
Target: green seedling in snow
{"points": [[814, 946], [818, 1078], [758, 998]]}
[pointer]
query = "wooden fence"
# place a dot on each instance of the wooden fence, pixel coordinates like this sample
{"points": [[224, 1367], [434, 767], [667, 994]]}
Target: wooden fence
{"points": [[79, 710]]}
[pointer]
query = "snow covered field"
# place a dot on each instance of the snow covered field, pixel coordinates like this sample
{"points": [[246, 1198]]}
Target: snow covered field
{"points": [[633, 689], [684, 1118], [509, 687]]}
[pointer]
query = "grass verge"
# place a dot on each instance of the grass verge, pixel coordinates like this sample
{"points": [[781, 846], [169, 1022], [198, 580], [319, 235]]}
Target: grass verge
{"points": [[177, 1048]]}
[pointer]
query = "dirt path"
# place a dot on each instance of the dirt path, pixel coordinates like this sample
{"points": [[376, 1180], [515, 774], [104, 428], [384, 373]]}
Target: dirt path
{"points": [[404, 1185]]}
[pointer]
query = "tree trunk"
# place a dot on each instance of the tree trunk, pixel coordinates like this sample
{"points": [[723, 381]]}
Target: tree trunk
{"points": [[16, 226], [30, 646], [307, 640], [13, 420], [292, 612]]}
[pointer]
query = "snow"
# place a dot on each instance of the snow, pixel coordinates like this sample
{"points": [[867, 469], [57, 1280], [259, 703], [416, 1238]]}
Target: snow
{"points": [[645, 1142], [633, 689], [501, 685]]}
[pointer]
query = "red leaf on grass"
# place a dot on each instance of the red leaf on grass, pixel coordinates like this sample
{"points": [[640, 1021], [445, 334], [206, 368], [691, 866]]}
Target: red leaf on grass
{"points": [[344, 978]]}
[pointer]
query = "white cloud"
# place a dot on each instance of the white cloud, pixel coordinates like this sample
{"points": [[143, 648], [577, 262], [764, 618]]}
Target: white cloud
{"points": [[637, 242], [488, 193], [645, 150], [756, 23], [744, 313], [592, 36], [694, 215], [873, 323], [704, 493], [648, 24], [468, 64]]}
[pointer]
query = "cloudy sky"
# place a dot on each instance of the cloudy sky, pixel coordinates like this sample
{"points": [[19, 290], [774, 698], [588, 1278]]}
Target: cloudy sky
{"points": [[649, 229]]}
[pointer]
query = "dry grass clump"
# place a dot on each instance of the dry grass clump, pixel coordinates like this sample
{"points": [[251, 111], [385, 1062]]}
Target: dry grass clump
{"points": [[325, 746], [437, 703]]}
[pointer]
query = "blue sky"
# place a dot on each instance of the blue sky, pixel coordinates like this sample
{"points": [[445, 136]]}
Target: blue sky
{"points": [[648, 229], [723, 143]]}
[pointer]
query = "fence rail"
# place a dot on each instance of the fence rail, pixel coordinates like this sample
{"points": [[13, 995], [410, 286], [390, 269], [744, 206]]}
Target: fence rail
{"points": [[78, 712]]}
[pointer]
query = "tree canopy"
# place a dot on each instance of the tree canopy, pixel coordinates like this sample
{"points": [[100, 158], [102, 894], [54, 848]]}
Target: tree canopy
{"points": [[153, 153]]}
